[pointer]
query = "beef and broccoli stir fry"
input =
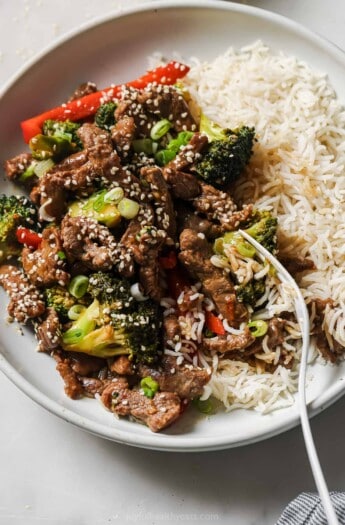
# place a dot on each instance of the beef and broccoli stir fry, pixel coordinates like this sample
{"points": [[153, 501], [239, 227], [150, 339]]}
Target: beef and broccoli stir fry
{"points": [[125, 257]]}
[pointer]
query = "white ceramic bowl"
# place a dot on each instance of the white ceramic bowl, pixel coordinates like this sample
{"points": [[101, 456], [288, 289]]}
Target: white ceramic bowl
{"points": [[114, 50]]}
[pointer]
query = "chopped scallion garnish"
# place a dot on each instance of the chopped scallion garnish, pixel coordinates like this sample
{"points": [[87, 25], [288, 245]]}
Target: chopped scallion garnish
{"points": [[258, 328], [149, 386], [78, 286], [128, 208], [160, 129]]}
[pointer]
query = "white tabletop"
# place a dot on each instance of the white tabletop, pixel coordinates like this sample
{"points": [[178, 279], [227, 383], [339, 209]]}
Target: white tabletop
{"points": [[52, 473]]}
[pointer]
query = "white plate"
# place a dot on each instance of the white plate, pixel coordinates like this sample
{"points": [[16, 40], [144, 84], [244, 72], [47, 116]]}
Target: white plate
{"points": [[115, 50]]}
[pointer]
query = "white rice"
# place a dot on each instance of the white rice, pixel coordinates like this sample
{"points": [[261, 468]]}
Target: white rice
{"points": [[297, 171]]}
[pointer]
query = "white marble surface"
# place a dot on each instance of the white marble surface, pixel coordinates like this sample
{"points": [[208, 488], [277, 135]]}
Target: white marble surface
{"points": [[53, 473]]}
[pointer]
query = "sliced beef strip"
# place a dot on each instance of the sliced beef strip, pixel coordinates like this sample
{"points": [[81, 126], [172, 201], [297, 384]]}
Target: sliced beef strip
{"points": [[121, 365], [92, 385], [84, 364], [73, 387], [185, 380], [157, 413], [85, 240], [124, 261], [171, 328], [112, 392], [182, 185], [295, 265], [167, 102], [186, 157], [141, 234], [86, 88], [196, 255], [162, 201], [218, 205], [50, 195], [122, 135], [142, 243], [130, 250], [43, 265], [78, 173], [185, 185], [330, 349], [133, 247], [151, 104], [79, 372], [229, 342], [17, 165], [188, 219], [48, 332], [276, 332], [149, 276], [26, 300]]}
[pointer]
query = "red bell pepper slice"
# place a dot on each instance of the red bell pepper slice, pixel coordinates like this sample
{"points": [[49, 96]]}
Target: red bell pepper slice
{"points": [[28, 237], [214, 324], [88, 105], [177, 281], [168, 262]]}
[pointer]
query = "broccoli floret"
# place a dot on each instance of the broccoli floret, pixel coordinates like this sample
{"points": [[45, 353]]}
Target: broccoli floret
{"points": [[251, 292], [115, 323], [14, 211], [163, 156], [138, 333], [58, 140], [262, 226], [112, 292], [61, 300], [97, 207], [226, 157], [64, 129], [105, 117]]}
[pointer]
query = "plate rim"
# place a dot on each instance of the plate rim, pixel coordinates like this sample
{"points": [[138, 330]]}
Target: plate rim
{"points": [[163, 442]]}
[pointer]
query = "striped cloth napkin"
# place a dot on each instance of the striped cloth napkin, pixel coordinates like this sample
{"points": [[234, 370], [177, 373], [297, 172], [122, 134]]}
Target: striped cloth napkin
{"points": [[307, 509]]}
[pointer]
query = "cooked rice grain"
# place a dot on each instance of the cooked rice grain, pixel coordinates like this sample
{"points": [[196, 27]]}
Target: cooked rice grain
{"points": [[297, 171]]}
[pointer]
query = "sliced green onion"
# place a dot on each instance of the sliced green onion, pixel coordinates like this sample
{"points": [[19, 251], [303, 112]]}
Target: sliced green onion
{"points": [[160, 129], [204, 406], [143, 146], [128, 208], [245, 249], [61, 255], [78, 286], [43, 166], [218, 246], [98, 203], [163, 156], [258, 328], [154, 147], [82, 326], [73, 336], [75, 311], [149, 386], [182, 139], [114, 195], [29, 172]]}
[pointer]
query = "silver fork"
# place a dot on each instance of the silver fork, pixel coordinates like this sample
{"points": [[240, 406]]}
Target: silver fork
{"points": [[303, 320]]}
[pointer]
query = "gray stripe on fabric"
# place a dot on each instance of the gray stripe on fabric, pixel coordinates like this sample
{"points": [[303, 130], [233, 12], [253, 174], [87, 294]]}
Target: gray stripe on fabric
{"points": [[307, 509]]}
